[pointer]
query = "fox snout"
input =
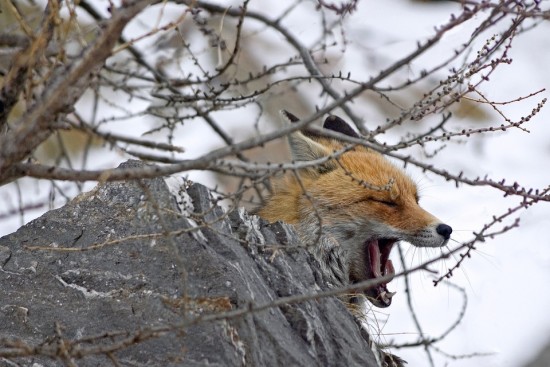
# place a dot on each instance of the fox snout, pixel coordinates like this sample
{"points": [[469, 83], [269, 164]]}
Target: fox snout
{"points": [[444, 230], [435, 235]]}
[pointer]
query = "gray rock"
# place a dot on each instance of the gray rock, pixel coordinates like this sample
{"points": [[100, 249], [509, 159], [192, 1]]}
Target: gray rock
{"points": [[119, 276], [542, 359]]}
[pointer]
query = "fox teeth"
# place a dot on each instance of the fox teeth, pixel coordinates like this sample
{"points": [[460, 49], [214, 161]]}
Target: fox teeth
{"points": [[387, 296]]}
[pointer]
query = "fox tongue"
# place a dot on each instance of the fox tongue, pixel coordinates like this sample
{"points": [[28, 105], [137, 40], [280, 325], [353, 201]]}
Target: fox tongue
{"points": [[379, 295], [375, 263]]}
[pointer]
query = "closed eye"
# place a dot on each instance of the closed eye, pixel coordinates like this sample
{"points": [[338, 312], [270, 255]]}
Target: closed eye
{"points": [[391, 204]]}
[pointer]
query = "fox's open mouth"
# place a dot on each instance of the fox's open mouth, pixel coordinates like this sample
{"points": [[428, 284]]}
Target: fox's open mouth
{"points": [[377, 253]]}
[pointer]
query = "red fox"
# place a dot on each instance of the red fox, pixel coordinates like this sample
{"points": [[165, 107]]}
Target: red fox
{"points": [[351, 209]]}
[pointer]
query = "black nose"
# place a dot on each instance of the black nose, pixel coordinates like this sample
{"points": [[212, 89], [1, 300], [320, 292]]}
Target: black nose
{"points": [[444, 230]]}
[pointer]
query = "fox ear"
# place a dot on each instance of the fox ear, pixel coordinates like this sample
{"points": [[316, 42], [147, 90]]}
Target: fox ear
{"points": [[306, 149], [335, 123]]}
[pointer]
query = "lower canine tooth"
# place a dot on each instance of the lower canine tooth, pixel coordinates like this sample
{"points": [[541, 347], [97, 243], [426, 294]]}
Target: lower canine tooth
{"points": [[386, 296]]}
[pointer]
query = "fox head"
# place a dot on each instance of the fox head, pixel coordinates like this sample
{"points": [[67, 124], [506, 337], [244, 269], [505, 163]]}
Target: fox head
{"points": [[356, 197]]}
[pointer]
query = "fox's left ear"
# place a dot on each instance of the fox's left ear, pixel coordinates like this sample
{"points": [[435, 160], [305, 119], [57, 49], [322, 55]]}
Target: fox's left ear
{"points": [[335, 123], [306, 149]]}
